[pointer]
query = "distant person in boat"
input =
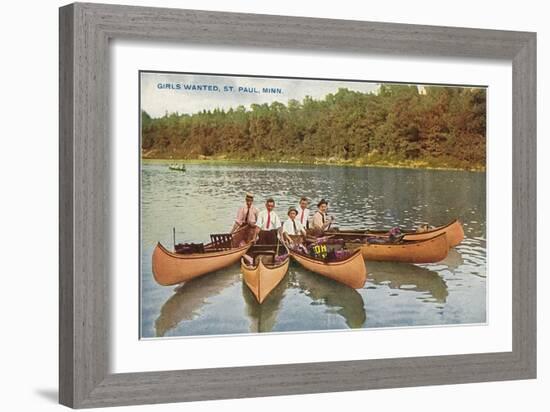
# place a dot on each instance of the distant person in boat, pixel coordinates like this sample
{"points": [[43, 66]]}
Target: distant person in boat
{"points": [[303, 212], [321, 221], [293, 227], [268, 219], [247, 214]]}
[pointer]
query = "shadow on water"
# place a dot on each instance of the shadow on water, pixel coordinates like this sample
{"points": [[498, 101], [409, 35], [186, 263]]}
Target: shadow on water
{"points": [[189, 298], [406, 276], [346, 301], [263, 317]]}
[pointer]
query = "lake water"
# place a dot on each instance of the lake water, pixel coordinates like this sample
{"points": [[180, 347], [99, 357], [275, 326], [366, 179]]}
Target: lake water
{"points": [[205, 198]]}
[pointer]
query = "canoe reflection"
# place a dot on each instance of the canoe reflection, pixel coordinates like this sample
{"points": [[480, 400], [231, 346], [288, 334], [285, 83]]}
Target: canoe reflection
{"points": [[453, 259], [263, 316], [405, 276], [346, 301], [189, 298]]}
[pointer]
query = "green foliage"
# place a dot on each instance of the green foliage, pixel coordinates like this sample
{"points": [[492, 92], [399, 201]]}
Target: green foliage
{"points": [[433, 126]]}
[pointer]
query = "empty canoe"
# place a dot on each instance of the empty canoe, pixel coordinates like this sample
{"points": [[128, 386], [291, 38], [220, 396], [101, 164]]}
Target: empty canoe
{"points": [[454, 231], [262, 270], [170, 268], [430, 250], [351, 271]]}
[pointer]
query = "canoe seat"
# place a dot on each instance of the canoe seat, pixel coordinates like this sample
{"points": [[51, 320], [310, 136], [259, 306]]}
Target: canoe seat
{"points": [[221, 240], [267, 237], [267, 259]]}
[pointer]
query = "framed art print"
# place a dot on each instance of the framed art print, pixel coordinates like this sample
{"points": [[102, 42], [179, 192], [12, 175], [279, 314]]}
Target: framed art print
{"points": [[303, 194]]}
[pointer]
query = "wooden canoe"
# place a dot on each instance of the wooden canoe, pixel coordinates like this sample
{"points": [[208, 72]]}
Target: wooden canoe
{"points": [[171, 268], [351, 272], [430, 250], [264, 274], [454, 231]]}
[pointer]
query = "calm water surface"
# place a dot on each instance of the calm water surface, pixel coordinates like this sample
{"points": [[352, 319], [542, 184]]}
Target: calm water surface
{"points": [[204, 200]]}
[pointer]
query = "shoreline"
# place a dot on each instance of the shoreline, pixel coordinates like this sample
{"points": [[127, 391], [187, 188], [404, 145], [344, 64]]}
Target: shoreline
{"points": [[419, 165]]}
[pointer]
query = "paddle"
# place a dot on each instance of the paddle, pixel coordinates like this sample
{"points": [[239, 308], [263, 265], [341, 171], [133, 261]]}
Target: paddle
{"points": [[277, 250]]}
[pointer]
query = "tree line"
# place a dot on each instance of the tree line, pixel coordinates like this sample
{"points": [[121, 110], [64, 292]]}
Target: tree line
{"points": [[396, 125]]}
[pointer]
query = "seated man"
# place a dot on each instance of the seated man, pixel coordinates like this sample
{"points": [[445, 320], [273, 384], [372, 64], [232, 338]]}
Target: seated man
{"points": [[321, 220], [292, 227]]}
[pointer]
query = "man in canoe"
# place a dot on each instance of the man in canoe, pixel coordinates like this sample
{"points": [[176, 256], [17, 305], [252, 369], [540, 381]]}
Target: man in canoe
{"points": [[321, 221], [303, 212], [268, 219], [292, 227], [246, 215]]}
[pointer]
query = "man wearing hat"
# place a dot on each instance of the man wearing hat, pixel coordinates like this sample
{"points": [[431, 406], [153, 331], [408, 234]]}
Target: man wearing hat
{"points": [[321, 221], [247, 214], [293, 226]]}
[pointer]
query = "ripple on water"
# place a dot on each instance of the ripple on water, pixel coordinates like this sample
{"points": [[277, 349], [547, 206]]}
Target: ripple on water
{"points": [[204, 200]]}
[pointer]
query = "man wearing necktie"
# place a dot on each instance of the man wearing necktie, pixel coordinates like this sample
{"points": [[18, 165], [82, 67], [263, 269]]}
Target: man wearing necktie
{"points": [[293, 227], [268, 219], [303, 212], [321, 220], [247, 214]]}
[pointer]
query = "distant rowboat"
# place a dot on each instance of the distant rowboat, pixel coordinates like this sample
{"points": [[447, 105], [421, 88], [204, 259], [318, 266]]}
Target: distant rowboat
{"points": [[170, 268], [179, 168], [264, 266]]}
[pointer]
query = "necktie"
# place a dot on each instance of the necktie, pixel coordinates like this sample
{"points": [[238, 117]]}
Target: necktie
{"points": [[302, 217], [268, 220], [246, 218], [323, 216], [294, 224]]}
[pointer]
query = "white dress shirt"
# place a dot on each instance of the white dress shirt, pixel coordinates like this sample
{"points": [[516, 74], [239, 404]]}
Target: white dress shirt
{"points": [[274, 221], [288, 227], [302, 216]]}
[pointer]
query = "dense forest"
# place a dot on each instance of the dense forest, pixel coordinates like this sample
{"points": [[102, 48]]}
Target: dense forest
{"points": [[397, 125]]}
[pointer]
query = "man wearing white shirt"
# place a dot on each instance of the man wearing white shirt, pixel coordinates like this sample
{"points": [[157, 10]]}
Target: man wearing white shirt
{"points": [[268, 219], [292, 226], [303, 212]]}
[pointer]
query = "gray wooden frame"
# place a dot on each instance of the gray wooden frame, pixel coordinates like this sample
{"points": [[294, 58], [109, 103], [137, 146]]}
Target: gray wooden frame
{"points": [[85, 31]]}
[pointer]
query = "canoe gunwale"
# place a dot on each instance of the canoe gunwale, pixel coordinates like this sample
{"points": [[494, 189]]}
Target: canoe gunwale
{"points": [[404, 243], [323, 263], [204, 255], [270, 267], [405, 232]]}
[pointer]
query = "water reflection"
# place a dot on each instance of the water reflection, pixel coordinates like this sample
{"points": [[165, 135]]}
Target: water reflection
{"points": [[205, 198], [405, 276], [263, 317], [453, 260], [337, 297], [187, 301]]}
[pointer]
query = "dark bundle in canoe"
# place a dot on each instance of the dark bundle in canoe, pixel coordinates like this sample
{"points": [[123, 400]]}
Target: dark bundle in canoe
{"points": [[325, 249], [187, 248]]}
